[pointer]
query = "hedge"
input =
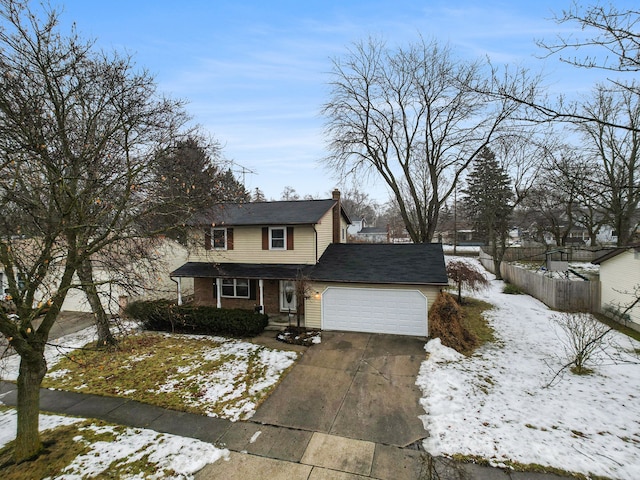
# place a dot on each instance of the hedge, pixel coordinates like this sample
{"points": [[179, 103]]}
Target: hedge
{"points": [[165, 316]]}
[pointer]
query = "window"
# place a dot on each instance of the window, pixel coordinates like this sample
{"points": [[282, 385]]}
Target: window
{"points": [[220, 238], [21, 281], [235, 287], [277, 238]]}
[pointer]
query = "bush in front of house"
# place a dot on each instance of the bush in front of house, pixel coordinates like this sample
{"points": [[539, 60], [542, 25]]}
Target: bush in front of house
{"points": [[162, 315]]}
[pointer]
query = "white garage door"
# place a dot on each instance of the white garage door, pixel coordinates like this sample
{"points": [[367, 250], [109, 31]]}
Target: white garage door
{"points": [[376, 310]]}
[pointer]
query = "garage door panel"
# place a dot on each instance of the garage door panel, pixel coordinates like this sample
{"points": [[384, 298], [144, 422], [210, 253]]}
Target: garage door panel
{"points": [[375, 310]]}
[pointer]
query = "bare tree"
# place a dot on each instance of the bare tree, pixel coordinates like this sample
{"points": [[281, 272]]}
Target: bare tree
{"points": [[564, 195], [416, 117], [78, 134], [608, 29], [616, 152], [359, 205], [289, 193]]}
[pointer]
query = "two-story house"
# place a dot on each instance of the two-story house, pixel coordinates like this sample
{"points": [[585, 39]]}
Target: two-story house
{"points": [[250, 256]]}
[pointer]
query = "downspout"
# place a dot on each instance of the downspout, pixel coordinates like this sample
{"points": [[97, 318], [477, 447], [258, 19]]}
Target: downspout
{"points": [[316, 234], [261, 288], [178, 288]]}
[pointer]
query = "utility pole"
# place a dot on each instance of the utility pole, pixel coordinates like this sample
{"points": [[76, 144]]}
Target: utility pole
{"points": [[455, 219]]}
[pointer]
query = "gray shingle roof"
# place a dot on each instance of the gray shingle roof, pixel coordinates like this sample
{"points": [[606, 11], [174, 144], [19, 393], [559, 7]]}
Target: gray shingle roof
{"points": [[299, 212], [421, 263], [238, 270], [615, 252]]}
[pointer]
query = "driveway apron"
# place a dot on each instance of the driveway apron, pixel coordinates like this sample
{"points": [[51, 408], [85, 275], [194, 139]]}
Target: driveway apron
{"points": [[355, 385]]}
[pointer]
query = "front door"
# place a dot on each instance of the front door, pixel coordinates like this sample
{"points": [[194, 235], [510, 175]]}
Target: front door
{"points": [[288, 296]]}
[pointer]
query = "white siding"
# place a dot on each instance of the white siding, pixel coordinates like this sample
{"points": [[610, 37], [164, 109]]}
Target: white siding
{"points": [[375, 310], [313, 305], [619, 276]]}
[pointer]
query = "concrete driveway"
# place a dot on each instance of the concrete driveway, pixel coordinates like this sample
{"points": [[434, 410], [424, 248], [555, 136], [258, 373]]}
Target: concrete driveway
{"points": [[354, 385]]}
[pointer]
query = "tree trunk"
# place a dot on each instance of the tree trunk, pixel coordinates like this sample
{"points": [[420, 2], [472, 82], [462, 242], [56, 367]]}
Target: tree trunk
{"points": [[85, 273], [28, 443], [495, 254]]}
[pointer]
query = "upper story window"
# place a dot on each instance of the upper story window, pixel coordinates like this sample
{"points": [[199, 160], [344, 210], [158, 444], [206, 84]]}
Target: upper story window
{"points": [[219, 238], [277, 238]]}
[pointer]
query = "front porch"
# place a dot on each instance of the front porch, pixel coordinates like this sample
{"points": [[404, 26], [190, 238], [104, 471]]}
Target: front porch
{"points": [[270, 289]]}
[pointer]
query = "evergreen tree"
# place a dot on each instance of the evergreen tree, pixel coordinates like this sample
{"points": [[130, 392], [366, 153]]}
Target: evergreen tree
{"points": [[188, 174], [258, 196], [489, 203], [229, 189]]}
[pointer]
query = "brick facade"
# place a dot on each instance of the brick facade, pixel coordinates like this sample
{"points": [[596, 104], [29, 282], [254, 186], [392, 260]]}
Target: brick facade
{"points": [[205, 295]]}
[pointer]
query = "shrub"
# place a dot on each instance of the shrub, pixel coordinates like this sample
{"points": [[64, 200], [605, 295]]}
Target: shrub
{"points": [[511, 289], [466, 275], [583, 337], [162, 315], [445, 322]]}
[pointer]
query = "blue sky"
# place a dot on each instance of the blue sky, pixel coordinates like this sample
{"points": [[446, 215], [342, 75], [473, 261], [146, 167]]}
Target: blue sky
{"points": [[255, 73]]}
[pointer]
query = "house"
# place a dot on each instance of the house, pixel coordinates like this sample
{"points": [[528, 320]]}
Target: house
{"points": [[118, 278], [140, 282], [620, 284], [355, 227], [251, 255], [359, 232], [373, 235]]}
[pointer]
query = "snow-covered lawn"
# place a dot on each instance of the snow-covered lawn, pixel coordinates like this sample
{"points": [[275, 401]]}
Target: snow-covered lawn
{"points": [[494, 404], [218, 376], [183, 456], [171, 456]]}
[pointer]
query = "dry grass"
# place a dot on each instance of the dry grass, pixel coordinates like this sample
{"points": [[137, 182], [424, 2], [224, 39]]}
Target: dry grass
{"points": [[473, 319], [527, 467], [62, 445], [145, 362], [462, 328]]}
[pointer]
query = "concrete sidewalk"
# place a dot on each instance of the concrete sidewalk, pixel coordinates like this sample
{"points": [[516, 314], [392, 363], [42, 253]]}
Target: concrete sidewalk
{"points": [[266, 451]]}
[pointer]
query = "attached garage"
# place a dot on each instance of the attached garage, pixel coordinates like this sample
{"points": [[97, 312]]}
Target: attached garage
{"points": [[375, 310], [375, 288]]}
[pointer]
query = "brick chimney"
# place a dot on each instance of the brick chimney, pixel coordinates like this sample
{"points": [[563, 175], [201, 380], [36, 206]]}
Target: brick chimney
{"points": [[335, 195]]}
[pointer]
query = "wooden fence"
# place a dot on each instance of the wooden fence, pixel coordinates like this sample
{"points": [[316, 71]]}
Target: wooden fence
{"points": [[564, 295], [538, 254]]}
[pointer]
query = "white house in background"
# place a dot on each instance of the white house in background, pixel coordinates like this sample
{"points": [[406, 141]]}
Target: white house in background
{"points": [[166, 256], [356, 226], [607, 236], [620, 283], [358, 232]]}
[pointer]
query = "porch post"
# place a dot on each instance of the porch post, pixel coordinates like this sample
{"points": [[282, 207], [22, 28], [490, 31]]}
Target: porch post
{"points": [[179, 290], [219, 292], [261, 288]]}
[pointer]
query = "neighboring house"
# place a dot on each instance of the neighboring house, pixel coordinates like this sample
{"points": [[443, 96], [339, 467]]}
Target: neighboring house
{"points": [[131, 280], [142, 283], [373, 235], [620, 283], [250, 255], [359, 232], [606, 236], [355, 227]]}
